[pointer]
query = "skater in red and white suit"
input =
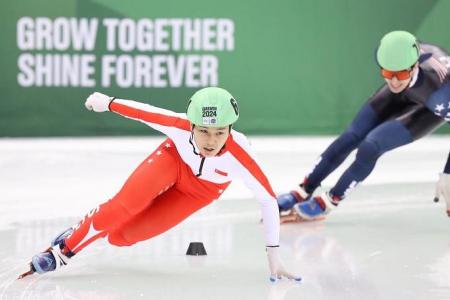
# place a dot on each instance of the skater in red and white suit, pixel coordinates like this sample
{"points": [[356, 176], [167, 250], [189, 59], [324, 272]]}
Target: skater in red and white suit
{"points": [[190, 169]]}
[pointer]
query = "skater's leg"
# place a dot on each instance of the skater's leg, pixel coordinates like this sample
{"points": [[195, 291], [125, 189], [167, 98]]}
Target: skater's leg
{"points": [[333, 156], [153, 176], [385, 137], [188, 195], [412, 125], [156, 174], [338, 151], [390, 135], [166, 211], [383, 105]]}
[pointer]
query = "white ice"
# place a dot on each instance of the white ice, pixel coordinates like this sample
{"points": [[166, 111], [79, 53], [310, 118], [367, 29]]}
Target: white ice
{"points": [[387, 240]]}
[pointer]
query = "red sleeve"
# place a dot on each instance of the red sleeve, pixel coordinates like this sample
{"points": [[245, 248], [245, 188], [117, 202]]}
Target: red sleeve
{"points": [[149, 114]]}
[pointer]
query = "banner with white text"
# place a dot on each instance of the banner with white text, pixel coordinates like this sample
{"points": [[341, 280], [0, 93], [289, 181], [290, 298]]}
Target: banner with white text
{"points": [[295, 67]]}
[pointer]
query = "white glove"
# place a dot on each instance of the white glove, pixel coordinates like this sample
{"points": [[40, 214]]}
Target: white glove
{"points": [[443, 190], [277, 270], [98, 102]]}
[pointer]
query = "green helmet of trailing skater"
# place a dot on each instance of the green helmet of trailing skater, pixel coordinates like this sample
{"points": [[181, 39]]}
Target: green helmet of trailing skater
{"points": [[398, 50], [212, 107]]}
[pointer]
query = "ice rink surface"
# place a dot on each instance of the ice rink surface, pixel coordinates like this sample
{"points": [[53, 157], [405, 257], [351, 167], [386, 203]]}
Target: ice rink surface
{"points": [[387, 240]]}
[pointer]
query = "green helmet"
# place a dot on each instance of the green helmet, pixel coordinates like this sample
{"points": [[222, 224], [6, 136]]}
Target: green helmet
{"points": [[398, 50], [212, 106]]}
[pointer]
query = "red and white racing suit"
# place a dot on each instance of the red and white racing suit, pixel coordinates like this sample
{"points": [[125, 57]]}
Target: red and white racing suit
{"points": [[172, 183]]}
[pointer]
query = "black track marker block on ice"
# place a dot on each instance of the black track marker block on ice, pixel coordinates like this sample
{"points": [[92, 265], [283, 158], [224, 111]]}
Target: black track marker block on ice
{"points": [[196, 248]]}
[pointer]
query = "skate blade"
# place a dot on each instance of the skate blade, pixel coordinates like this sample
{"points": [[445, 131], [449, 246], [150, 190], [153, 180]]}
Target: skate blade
{"points": [[27, 273], [293, 217]]}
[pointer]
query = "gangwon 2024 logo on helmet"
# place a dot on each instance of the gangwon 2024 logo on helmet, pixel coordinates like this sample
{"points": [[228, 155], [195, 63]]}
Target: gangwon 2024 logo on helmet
{"points": [[209, 115]]}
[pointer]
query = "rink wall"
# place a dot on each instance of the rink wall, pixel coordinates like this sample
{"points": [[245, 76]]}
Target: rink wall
{"points": [[295, 67]]}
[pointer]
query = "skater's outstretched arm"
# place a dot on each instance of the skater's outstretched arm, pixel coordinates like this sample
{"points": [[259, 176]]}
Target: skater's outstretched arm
{"points": [[163, 120], [247, 168]]}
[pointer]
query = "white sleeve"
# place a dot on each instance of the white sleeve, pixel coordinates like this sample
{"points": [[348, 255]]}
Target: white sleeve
{"points": [[254, 178]]}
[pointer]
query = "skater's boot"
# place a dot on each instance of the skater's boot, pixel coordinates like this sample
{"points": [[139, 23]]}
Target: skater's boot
{"points": [[61, 237], [53, 258], [56, 256], [316, 207], [288, 200], [49, 260]]}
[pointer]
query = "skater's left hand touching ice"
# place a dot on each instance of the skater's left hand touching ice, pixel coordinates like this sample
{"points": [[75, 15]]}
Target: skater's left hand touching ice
{"points": [[443, 190], [277, 270]]}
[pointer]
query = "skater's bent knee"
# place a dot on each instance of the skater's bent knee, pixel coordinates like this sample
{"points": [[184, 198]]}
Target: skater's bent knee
{"points": [[368, 150], [117, 239]]}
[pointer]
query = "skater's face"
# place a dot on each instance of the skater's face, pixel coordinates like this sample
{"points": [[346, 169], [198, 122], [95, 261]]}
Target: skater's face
{"points": [[399, 81], [210, 140]]}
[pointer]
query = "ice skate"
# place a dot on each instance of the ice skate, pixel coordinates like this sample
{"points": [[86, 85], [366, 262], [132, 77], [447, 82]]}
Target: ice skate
{"points": [[291, 216], [286, 203], [56, 256], [315, 208], [288, 200]]}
